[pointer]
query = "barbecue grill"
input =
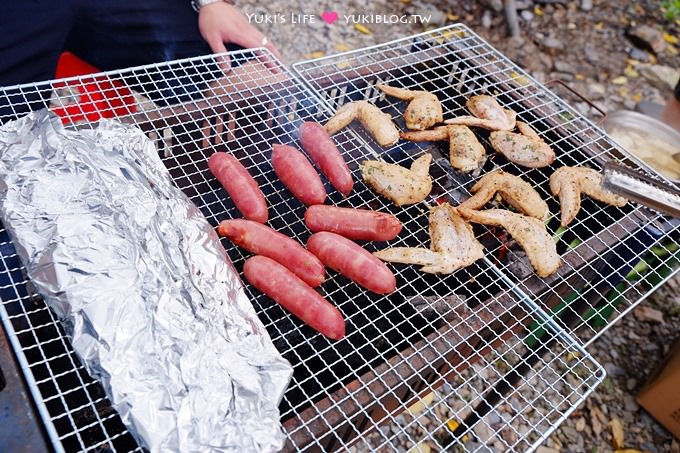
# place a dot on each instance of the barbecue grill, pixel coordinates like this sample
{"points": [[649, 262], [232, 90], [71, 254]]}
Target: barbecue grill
{"points": [[497, 355]]}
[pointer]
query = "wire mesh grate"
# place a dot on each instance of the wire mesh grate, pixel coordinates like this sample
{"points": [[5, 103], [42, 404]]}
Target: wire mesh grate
{"points": [[621, 254], [498, 370]]}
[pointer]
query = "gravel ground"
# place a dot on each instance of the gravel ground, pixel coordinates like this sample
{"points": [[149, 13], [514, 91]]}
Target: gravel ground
{"points": [[586, 44]]}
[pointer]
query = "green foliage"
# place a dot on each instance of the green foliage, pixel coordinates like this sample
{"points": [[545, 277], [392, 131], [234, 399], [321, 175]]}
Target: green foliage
{"points": [[671, 9]]}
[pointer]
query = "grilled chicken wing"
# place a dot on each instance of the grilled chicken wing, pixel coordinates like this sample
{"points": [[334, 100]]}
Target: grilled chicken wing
{"points": [[568, 183], [377, 123], [399, 184], [465, 152], [514, 190], [424, 110], [488, 114], [526, 149], [529, 232], [452, 245]]}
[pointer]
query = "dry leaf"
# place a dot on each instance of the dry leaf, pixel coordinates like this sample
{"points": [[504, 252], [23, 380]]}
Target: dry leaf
{"points": [[452, 17], [595, 416], [670, 38], [644, 313], [580, 424], [317, 54], [620, 80], [363, 29], [617, 433], [453, 425], [630, 72], [520, 79], [343, 47], [420, 447], [421, 404], [578, 76], [538, 11]]}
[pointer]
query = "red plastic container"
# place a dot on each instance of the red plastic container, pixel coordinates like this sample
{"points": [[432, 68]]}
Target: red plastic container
{"points": [[98, 96]]}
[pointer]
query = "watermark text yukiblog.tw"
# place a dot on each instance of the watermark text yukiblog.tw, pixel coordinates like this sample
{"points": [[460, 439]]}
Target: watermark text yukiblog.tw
{"points": [[330, 17]]}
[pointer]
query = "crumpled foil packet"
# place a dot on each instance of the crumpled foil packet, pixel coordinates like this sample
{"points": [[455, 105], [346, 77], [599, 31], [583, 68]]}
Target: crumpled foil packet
{"points": [[137, 275]]}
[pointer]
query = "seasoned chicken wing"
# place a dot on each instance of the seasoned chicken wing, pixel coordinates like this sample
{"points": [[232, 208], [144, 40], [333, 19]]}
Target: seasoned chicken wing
{"points": [[529, 232], [452, 244], [377, 123], [514, 190], [526, 149], [465, 152], [399, 184], [488, 114], [424, 110], [568, 183]]}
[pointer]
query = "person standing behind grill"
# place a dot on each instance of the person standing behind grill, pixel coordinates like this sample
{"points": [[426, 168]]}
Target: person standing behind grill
{"points": [[114, 34]]}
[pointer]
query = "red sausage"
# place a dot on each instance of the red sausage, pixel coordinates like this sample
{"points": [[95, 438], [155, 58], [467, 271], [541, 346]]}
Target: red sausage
{"points": [[352, 261], [298, 175], [321, 148], [262, 240], [240, 186], [281, 285], [355, 224]]}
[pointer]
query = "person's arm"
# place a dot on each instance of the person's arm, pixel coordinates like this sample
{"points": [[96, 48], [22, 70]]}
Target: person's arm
{"points": [[221, 23], [671, 114]]}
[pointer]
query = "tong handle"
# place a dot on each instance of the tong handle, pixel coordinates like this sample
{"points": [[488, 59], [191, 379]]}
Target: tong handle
{"points": [[637, 186]]}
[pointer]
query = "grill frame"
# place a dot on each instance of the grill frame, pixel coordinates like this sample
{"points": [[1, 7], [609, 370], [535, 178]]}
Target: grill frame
{"points": [[314, 426]]}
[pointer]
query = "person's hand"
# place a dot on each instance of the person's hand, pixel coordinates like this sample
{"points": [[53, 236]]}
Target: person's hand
{"points": [[221, 23]]}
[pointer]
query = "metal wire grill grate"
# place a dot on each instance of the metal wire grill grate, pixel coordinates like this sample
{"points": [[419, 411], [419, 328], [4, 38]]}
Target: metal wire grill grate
{"points": [[470, 338], [612, 258]]}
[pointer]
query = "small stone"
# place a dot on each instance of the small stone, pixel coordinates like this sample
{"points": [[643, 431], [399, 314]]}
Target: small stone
{"points": [[586, 5], [552, 45], [496, 5], [523, 4], [563, 66], [420, 447], [486, 19], [646, 37], [630, 384], [527, 15], [629, 404]]}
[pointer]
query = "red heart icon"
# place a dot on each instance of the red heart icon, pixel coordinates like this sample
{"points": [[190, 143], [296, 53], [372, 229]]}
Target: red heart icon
{"points": [[329, 16]]}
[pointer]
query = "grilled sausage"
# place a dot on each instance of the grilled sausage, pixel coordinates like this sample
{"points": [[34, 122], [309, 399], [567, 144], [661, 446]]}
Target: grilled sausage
{"points": [[262, 240], [240, 186], [298, 175], [352, 261], [284, 287], [321, 148], [355, 224]]}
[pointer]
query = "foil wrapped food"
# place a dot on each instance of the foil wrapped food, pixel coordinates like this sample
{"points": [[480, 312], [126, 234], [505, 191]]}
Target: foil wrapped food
{"points": [[138, 277]]}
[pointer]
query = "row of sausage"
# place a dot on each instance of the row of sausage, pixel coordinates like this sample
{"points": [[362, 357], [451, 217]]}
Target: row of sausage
{"points": [[282, 268]]}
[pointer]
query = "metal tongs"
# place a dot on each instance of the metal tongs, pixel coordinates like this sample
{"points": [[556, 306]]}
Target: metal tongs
{"points": [[637, 186]]}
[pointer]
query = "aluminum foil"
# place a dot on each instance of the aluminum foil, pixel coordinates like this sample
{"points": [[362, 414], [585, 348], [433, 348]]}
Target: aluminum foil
{"points": [[137, 275]]}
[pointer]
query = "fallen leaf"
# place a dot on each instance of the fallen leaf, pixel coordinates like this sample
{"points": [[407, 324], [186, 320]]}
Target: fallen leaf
{"points": [[595, 415], [670, 38], [630, 72], [621, 80], [538, 11], [317, 54], [578, 76], [599, 26], [453, 425], [343, 47], [644, 313], [421, 404], [520, 79], [363, 29], [420, 447], [617, 433], [342, 65], [573, 355], [406, 1], [580, 424], [451, 16], [637, 97]]}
